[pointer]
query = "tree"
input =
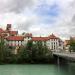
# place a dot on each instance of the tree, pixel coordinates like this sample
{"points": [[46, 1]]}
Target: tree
{"points": [[25, 53], [35, 53], [72, 45], [23, 33], [2, 49], [40, 53]]}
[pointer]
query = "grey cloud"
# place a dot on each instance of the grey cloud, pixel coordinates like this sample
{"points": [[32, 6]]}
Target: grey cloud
{"points": [[70, 25], [26, 25], [73, 19], [15, 5], [65, 29]]}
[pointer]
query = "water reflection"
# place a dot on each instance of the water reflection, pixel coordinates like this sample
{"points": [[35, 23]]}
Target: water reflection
{"points": [[67, 69]]}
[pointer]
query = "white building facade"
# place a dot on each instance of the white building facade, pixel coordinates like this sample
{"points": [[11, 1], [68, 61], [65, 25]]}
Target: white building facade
{"points": [[53, 43], [13, 39]]}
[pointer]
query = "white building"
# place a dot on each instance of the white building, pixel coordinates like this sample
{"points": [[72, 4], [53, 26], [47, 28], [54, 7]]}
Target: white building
{"points": [[53, 43], [13, 39], [18, 40]]}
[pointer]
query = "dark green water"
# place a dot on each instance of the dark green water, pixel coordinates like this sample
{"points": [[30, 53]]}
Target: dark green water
{"points": [[37, 70]]}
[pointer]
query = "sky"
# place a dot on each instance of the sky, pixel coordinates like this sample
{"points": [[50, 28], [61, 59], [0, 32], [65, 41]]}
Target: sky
{"points": [[39, 17]]}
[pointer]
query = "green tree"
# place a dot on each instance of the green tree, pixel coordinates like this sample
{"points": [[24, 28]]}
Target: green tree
{"points": [[40, 52], [72, 45], [1, 49], [25, 53], [35, 53]]}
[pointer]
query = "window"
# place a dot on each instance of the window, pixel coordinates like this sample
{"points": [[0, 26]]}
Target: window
{"points": [[54, 46]]}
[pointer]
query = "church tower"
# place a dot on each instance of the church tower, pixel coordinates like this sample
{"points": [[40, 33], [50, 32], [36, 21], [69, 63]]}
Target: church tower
{"points": [[8, 28]]}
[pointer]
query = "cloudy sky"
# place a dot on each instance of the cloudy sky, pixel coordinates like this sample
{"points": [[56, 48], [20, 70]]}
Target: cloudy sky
{"points": [[40, 17]]}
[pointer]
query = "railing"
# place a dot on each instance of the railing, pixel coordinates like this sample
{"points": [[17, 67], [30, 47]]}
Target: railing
{"points": [[63, 51]]}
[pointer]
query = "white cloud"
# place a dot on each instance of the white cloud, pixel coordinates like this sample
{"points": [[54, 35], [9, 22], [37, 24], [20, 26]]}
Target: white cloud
{"points": [[24, 18]]}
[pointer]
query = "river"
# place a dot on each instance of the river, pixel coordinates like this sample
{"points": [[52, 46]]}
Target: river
{"points": [[41, 69]]}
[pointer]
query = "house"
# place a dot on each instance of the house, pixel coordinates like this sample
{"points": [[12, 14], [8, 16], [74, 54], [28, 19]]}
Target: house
{"points": [[66, 45], [12, 38], [15, 40], [52, 42]]}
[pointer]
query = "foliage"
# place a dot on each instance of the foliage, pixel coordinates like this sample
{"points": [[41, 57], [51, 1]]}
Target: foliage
{"points": [[30, 53], [2, 50], [72, 45], [36, 53]]}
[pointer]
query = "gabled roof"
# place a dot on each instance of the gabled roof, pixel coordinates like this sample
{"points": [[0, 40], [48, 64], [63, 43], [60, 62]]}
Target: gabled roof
{"points": [[15, 38], [39, 38], [53, 37], [45, 38]]}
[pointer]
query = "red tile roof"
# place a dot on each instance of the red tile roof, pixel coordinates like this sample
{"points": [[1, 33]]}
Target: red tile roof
{"points": [[39, 38], [53, 37], [15, 38], [44, 38]]}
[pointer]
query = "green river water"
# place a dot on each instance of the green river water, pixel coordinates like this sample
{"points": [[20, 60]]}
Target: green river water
{"points": [[37, 69]]}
